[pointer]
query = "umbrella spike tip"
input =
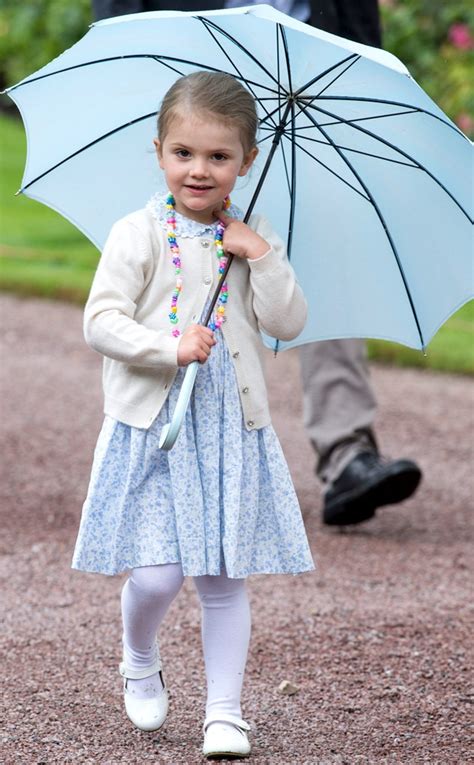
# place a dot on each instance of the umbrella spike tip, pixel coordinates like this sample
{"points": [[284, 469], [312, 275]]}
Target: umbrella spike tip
{"points": [[17, 193]]}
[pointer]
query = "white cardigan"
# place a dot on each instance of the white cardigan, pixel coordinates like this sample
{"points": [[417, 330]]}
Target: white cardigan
{"points": [[126, 315]]}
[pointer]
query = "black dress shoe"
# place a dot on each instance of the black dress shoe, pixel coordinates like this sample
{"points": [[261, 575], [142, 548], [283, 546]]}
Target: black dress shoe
{"points": [[368, 482]]}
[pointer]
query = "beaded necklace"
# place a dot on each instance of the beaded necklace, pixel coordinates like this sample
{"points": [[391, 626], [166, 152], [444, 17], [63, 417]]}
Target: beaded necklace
{"points": [[218, 317]]}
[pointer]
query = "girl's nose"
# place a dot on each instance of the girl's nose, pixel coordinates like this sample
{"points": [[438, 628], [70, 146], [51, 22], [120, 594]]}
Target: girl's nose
{"points": [[199, 169]]}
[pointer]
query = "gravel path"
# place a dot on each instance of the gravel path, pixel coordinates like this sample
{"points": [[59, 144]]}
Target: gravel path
{"points": [[377, 640]]}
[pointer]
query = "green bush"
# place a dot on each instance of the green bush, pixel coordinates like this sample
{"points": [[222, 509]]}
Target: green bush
{"points": [[434, 39], [34, 32]]}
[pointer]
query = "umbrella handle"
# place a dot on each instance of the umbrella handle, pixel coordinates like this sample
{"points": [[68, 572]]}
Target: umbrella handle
{"points": [[170, 431]]}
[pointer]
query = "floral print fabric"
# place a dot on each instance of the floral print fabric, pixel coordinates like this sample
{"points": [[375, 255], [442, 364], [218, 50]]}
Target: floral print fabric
{"points": [[222, 496]]}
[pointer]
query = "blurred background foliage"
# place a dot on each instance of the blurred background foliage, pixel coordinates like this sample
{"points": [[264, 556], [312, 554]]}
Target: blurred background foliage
{"points": [[434, 39], [36, 31]]}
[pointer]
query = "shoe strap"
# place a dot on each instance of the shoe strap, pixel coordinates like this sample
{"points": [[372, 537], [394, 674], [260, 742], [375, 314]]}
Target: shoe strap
{"points": [[224, 718], [140, 674]]}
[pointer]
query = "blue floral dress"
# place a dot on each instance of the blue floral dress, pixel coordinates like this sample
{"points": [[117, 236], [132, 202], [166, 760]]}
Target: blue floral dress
{"points": [[222, 497]]}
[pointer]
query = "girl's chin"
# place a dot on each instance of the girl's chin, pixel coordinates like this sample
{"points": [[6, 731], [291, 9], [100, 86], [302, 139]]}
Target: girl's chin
{"points": [[198, 206], [198, 202], [200, 212]]}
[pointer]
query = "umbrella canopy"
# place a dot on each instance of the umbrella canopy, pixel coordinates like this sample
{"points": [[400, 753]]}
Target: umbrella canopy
{"points": [[364, 177]]}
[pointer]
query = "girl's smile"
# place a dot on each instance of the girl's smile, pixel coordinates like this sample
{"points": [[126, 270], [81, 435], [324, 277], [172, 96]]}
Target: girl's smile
{"points": [[202, 158]]}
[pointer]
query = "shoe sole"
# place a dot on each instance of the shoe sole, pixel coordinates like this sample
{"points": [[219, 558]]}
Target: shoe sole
{"points": [[360, 504], [226, 755]]}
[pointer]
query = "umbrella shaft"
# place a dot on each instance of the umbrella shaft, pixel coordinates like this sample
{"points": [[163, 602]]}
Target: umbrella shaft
{"points": [[213, 302], [276, 140]]}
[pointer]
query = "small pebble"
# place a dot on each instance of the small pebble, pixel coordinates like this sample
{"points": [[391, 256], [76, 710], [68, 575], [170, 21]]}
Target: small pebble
{"points": [[287, 688]]}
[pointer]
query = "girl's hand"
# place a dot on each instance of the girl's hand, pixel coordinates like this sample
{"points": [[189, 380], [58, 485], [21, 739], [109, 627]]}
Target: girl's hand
{"points": [[240, 239], [195, 345]]}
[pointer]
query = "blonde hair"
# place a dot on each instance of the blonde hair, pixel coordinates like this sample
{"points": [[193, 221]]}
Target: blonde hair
{"points": [[216, 93]]}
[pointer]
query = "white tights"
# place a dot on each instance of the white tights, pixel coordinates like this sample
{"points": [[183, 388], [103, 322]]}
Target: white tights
{"points": [[146, 597]]}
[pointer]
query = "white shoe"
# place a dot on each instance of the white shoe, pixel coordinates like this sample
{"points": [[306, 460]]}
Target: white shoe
{"points": [[146, 714], [225, 737]]}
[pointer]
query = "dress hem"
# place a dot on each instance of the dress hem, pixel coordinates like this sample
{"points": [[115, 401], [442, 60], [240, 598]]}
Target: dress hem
{"points": [[254, 572]]}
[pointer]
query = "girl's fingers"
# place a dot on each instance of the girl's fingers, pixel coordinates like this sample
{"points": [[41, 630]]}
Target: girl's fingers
{"points": [[203, 353], [199, 341], [195, 345], [203, 350], [207, 336], [201, 333]]}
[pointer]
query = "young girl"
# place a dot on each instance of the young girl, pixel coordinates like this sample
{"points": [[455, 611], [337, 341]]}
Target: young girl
{"points": [[220, 505]]}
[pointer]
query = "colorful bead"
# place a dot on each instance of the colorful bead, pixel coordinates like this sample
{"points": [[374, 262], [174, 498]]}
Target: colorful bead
{"points": [[218, 318]]}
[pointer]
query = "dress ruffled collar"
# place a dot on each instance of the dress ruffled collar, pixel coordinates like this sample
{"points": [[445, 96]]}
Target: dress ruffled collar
{"points": [[185, 227]]}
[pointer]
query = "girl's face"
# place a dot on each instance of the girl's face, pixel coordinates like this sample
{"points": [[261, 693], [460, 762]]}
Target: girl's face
{"points": [[201, 158]]}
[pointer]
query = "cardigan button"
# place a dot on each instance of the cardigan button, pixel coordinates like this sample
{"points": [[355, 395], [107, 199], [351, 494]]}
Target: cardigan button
{"points": [[236, 355], [207, 280], [245, 390], [250, 423], [205, 243]]}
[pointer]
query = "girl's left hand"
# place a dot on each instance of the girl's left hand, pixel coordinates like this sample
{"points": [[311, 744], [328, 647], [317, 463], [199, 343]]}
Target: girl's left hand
{"points": [[239, 239]]}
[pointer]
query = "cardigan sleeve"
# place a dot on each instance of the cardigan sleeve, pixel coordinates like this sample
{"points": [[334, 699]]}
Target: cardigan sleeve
{"points": [[278, 302], [122, 275]]}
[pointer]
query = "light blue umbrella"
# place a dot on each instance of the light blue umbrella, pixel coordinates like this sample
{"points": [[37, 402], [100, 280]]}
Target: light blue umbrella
{"points": [[364, 177]]}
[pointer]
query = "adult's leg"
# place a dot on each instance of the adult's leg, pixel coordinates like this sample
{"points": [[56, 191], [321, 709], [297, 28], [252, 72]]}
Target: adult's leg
{"points": [[146, 597], [225, 635], [339, 409], [340, 416], [104, 9], [359, 21], [339, 404]]}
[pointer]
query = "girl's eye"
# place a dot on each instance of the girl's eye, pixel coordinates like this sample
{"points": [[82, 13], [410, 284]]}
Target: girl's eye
{"points": [[220, 157], [182, 153]]}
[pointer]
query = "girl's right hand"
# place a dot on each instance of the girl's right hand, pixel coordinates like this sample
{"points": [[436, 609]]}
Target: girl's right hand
{"points": [[195, 345]]}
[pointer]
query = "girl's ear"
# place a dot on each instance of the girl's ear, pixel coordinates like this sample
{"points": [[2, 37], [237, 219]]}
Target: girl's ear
{"points": [[248, 161], [159, 154]]}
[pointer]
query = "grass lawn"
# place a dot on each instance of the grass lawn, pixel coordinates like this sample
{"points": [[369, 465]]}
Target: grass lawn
{"points": [[42, 254]]}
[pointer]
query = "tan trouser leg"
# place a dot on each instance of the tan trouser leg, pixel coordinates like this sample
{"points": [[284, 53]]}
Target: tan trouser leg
{"points": [[339, 403]]}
